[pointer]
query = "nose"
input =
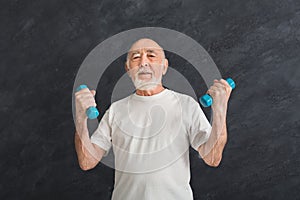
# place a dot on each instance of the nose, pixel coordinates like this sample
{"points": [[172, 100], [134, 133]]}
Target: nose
{"points": [[144, 60]]}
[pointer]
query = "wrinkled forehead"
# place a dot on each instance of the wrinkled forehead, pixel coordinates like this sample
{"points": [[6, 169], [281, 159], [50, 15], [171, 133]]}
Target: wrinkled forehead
{"points": [[146, 45]]}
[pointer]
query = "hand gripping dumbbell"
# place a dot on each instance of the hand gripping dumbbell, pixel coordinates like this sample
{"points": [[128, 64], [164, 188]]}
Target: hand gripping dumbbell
{"points": [[92, 112], [206, 100]]}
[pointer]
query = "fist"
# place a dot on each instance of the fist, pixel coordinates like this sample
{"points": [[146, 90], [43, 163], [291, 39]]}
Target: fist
{"points": [[220, 92], [83, 100]]}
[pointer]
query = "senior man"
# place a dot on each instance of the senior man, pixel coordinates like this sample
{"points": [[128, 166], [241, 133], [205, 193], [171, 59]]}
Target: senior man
{"points": [[151, 130]]}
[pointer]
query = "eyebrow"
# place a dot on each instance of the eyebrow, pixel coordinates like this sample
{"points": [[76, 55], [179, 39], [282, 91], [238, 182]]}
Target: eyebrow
{"points": [[148, 51]]}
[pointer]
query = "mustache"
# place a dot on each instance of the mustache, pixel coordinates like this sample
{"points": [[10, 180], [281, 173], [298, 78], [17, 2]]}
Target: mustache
{"points": [[144, 71]]}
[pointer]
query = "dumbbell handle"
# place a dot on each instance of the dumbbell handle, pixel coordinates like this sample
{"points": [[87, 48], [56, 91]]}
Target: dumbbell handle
{"points": [[92, 112], [207, 101]]}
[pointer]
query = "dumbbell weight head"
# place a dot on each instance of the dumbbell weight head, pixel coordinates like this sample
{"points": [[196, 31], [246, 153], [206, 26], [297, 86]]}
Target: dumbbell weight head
{"points": [[92, 112], [206, 99]]}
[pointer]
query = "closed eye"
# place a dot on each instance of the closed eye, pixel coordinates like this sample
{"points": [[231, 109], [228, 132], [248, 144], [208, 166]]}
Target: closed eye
{"points": [[135, 56], [151, 55]]}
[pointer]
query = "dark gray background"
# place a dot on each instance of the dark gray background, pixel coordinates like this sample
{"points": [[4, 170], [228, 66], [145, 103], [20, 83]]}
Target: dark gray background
{"points": [[43, 43]]}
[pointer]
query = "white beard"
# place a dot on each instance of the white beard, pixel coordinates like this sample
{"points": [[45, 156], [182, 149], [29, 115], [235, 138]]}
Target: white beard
{"points": [[147, 84]]}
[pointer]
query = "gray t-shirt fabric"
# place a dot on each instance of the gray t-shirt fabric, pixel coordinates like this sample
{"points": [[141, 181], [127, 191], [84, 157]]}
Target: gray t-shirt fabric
{"points": [[150, 138]]}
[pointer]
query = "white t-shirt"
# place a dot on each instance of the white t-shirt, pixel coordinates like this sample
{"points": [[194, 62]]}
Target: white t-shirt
{"points": [[150, 136]]}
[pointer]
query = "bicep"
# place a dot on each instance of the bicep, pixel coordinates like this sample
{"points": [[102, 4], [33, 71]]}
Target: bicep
{"points": [[100, 151], [199, 127]]}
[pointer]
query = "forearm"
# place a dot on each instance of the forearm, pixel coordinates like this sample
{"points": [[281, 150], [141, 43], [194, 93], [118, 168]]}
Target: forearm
{"points": [[211, 151], [88, 157], [214, 157]]}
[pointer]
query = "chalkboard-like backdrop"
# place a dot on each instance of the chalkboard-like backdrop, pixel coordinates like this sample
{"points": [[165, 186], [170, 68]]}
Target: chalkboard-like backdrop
{"points": [[44, 42]]}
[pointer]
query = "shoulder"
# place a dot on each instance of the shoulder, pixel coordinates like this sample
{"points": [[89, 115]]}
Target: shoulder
{"points": [[114, 108], [185, 99], [118, 104]]}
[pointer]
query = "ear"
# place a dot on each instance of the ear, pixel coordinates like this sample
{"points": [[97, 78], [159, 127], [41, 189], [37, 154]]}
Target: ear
{"points": [[127, 69], [166, 65]]}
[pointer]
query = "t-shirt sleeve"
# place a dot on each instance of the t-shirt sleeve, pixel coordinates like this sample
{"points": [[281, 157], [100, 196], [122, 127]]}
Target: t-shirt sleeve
{"points": [[102, 135], [200, 128]]}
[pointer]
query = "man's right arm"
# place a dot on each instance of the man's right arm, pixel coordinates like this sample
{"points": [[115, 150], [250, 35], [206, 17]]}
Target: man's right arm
{"points": [[89, 154]]}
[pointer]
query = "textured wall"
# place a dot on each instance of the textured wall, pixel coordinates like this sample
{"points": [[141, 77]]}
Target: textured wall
{"points": [[43, 43]]}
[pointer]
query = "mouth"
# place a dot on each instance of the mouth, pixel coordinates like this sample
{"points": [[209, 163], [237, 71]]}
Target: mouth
{"points": [[145, 74]]}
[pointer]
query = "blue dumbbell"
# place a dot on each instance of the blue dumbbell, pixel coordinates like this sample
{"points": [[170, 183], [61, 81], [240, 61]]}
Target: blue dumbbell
{"points": [[206, 100], [92, 112]]}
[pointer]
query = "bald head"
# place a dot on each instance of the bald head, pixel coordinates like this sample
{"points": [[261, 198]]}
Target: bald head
{"points": [[144, 43]]}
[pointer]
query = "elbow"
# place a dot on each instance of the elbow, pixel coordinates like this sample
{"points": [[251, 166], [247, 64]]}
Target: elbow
{"points": [[216, 163], [84, 168], [213, 163], [86, 165]]}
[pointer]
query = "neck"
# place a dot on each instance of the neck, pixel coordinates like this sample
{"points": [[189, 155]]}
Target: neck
{"points": [[159, 88]]}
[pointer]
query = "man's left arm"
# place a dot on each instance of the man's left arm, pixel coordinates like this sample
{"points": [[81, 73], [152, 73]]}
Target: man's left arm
{"points": [[211, 151]]}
